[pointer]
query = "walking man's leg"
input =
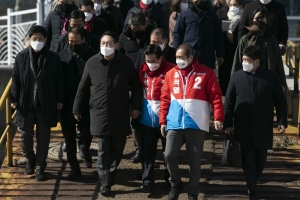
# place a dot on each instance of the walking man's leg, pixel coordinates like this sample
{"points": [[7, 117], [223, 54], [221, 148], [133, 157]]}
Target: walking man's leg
{"points": [[86, 139]]}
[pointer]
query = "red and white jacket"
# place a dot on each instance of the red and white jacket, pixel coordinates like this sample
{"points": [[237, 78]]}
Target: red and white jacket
{"points": [[152, 83], [185, 100]]}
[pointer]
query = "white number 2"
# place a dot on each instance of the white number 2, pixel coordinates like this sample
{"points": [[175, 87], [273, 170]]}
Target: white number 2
{"points": [[198, 81]]}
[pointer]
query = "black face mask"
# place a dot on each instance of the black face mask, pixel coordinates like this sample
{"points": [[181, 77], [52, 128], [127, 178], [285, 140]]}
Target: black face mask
{"points": [[65, 7], [138, 34], [261, 25], [75, 47], [200, 5]]}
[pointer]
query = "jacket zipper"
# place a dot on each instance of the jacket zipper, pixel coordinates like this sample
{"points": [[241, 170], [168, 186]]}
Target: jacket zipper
{"points": [[185, 84]]}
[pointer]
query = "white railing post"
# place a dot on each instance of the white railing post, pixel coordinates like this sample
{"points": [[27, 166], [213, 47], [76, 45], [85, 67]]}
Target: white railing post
{"points": [[47, 6], [39, 13], [9, 36]]}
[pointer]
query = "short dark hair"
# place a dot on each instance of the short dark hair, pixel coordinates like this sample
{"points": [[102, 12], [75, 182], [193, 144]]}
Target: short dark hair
{"points": [[263, 13], [76, 31], [252, 51], [112, 34], [37, 29], [240, 2], [137, 18], [86, 3], [76, 14], [153, 49], [159, 31], [187, 48]]}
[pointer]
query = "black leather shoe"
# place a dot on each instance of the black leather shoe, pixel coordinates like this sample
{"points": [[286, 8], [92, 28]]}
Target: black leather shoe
{"points": [[175, 191], [253, 195], [64, 147], [29, 170], [136, 158], [147, 188], [192, 196], [88, 162], [105, 190], [74, 174], [40, 174]]}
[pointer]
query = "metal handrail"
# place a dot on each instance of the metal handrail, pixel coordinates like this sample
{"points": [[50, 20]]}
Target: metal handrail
{"points": [[7, 134]]}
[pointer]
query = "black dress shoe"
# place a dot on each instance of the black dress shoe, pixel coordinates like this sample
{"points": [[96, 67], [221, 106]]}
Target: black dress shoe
{"points": [[175, 191], [40, 174], [88, 162], [29, 170], [74, 174], [137, 157], [253, 195], [147, 188], [105, 190]]}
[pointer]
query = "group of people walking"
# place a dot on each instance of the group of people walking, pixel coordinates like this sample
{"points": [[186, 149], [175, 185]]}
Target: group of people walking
{"points": [[105, 73]]}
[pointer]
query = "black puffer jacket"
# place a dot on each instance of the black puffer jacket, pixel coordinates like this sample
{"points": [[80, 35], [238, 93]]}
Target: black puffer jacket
{"points": [[128, 43], [107, 85], [54, 25], [249, 107], [73, 65], [90, 38], [53, 85]]}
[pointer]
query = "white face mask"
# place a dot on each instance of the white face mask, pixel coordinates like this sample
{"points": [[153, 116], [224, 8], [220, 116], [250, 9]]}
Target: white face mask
{"points": [[106, 51], [181, 63], [88, 16], [162, 46], [153, 66], [155, 1], [247, 67], [265, 1], [235, 10], [97, 7], [147, 2], [37, 45], [184, 6]]}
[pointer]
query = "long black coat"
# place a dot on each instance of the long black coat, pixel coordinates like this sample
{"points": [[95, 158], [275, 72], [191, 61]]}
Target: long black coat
{"points": [[169, 53], [117, 15], [73, 66], [54, 25], [250, 101], [277, 21], [128, 44], [54, 85], [108, 89], [90, 38]]}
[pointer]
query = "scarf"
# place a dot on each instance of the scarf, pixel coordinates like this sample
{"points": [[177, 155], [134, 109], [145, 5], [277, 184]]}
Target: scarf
{"points": [[254, 31], [157, 72], [89, 24], [145, 7]]}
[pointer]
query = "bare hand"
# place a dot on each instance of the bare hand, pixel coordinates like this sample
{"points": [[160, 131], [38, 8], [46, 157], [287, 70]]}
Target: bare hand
{"points": [[60, 106], [135, 114], [14, 105], [77, 117], [163, 130], [230, 37], [282, 127], [220, 61], [218, 125], [229, 130]]}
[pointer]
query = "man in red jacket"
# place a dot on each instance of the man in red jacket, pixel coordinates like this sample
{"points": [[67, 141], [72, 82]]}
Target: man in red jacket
{"points": [[188, 91], [152, 74]]}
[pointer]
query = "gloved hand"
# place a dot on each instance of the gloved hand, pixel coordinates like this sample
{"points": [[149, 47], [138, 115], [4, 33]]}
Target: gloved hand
{"points": [[282, 49]]}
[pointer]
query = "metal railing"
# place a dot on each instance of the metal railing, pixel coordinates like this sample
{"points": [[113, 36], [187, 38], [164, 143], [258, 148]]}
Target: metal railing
{"points": [[7, 134]]}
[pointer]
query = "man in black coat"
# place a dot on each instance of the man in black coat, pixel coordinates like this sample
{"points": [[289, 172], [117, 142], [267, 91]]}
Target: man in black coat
{"points": [[251, 97], [155, 15], [77, 19], [106, 81], [200, 27], [57, 22], [136, 35], [158, 37], [37, 92], [124, 5], [92, 23], [277, 21], [73, 62]]}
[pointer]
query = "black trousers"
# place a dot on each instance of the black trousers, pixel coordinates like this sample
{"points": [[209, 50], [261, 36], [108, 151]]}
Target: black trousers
{"points": [[70, 139], [38, 117], [253, 161], [85, 140], [150, 138], [109, 156]]}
